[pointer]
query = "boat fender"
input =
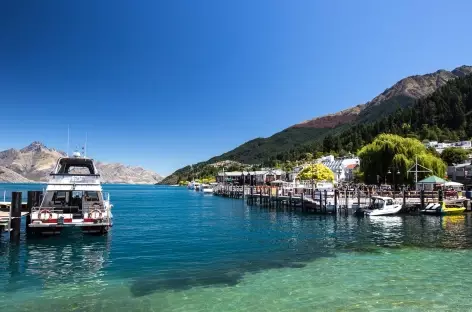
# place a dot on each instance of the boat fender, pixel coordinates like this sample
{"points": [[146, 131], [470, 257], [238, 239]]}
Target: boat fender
{"points": [[96, 214], [45, 213]]}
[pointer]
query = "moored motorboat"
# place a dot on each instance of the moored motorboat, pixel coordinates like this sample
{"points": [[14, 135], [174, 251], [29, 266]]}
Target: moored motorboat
{"points": [[207, 189], [380, 206], [73, 198], [443, 209]]}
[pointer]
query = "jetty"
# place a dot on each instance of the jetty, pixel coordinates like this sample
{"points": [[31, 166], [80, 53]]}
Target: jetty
{"points": [[331, 201], [12, 212]]}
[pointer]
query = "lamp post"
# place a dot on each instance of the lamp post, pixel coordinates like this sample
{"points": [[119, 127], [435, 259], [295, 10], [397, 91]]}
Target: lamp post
{"points": [[339, 171], [397, 173]]}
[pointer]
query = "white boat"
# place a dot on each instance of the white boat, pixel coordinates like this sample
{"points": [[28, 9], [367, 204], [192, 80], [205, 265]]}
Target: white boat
{"points": [[73, 198], [380, 206], [207, 189], [191, 185], [196, 186]]}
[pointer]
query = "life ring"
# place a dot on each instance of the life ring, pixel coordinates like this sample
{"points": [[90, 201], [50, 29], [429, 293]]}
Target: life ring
{"points": [[93, 214], [44, 212]]}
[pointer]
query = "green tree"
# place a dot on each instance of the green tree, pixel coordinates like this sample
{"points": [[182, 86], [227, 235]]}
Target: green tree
{"points": [[317, 172], [454, 155], [389, 150], [308, 156]]}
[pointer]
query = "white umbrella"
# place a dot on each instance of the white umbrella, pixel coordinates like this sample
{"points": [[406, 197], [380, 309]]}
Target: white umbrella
{"points": [[450, 183]]}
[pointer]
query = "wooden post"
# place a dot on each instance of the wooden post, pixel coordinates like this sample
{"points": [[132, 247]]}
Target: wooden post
{"points": [[422, 199], [440, 196], [325, 200], [276, 196], [289, 198], [358, 198], [15, 215], [303, 202], [346, 199], [32, 201], [336, 193], [260, 196], [404, 198], [321, 200]]}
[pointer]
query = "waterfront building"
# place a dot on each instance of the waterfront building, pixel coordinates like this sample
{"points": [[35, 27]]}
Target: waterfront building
{"points": [[257, 177]]}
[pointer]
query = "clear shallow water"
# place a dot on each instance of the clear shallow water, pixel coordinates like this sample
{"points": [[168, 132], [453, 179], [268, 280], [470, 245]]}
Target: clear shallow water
{"points": [[175, 250]]}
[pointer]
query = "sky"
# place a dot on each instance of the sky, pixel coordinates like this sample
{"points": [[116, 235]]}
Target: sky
{"points": [[163, 84]]}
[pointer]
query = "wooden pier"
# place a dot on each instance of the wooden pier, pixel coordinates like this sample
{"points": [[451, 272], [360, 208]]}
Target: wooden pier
{"points": [[12, 212], [329, 202]]}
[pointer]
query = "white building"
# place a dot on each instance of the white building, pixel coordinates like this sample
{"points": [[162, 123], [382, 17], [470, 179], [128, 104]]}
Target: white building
{"points": [[341, 167], [440, 146]]}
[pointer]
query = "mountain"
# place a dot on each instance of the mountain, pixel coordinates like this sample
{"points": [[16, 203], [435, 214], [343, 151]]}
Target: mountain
{"points": [[402, 94], [36, 161], [307, 135], [10, 176]]}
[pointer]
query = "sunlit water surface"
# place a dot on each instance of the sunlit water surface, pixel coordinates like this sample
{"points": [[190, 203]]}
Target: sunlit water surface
{"points": [[176, 250]]}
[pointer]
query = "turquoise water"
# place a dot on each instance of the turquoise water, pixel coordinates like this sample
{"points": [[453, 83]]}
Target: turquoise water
{"points": [[176, 250]]}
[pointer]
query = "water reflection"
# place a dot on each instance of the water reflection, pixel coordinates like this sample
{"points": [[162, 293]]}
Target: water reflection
{"points": [[43, 262]]}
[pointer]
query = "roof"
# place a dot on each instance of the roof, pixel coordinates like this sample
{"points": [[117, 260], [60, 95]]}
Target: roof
{"points": [[432, 179], [258, 172], [381, 197], [351, 166]]}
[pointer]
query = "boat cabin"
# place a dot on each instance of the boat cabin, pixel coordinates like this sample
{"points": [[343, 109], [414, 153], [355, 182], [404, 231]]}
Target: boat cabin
{"points": [[73, 201], [378, 202]]}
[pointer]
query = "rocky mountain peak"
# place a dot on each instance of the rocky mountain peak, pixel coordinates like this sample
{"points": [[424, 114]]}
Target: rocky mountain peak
{"points": [[413, 87], [35, 161], [462, 71], [34, 146]]}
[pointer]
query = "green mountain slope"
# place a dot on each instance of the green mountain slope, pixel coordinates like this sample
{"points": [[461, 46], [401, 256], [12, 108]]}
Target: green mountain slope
{"points": [[329, 133]]}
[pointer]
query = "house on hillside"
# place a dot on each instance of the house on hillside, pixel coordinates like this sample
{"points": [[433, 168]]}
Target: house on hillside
{"points": [[341, 167], [460, 173]]}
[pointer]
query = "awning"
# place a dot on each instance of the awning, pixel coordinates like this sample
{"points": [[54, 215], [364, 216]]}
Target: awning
{"points": [[450, 183], [432, 180]]}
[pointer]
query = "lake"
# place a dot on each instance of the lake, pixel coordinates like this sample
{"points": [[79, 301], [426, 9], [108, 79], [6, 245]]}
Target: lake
{"points": [[172, 249]]}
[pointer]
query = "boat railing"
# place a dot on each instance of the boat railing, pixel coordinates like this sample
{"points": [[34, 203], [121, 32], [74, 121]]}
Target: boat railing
{"points": [[74, 179]]}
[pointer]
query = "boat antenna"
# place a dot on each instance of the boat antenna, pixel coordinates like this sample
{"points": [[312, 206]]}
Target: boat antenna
{"points": [[68, 140], [85, 146]]}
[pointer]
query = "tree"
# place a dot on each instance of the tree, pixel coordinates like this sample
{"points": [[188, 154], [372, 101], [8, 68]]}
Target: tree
{"points": [[454, 155], [307, 157], [389, 151], [317, 172]]}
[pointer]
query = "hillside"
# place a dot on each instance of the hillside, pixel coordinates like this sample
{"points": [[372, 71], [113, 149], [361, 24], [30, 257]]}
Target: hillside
{"points": [[307, 136], [36, 161]]}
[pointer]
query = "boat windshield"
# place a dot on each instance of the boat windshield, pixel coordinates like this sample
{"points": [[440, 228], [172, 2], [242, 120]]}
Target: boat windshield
{"points": [[377, 203], [389, 202]]}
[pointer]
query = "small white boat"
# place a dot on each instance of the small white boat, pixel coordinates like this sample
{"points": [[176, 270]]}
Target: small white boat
{"points": [[207, 189], [380, 206]]}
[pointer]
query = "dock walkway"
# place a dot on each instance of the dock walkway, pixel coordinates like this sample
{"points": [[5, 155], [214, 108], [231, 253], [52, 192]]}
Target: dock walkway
{"points": [[332, 201]]}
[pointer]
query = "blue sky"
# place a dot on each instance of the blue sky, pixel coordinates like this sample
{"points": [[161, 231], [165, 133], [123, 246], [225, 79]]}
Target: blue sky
{"points": [[163, 84]]}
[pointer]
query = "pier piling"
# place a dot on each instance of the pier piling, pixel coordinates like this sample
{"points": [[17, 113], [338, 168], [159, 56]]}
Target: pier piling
{"points": [[15, 216]]}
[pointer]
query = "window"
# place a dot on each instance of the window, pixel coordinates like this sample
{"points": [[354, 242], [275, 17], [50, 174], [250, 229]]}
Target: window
{"points": [[91, 196]]}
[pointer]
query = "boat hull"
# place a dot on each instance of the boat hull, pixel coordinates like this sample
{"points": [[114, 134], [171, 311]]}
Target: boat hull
{"points": [[443, 210], [379, 212]]}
